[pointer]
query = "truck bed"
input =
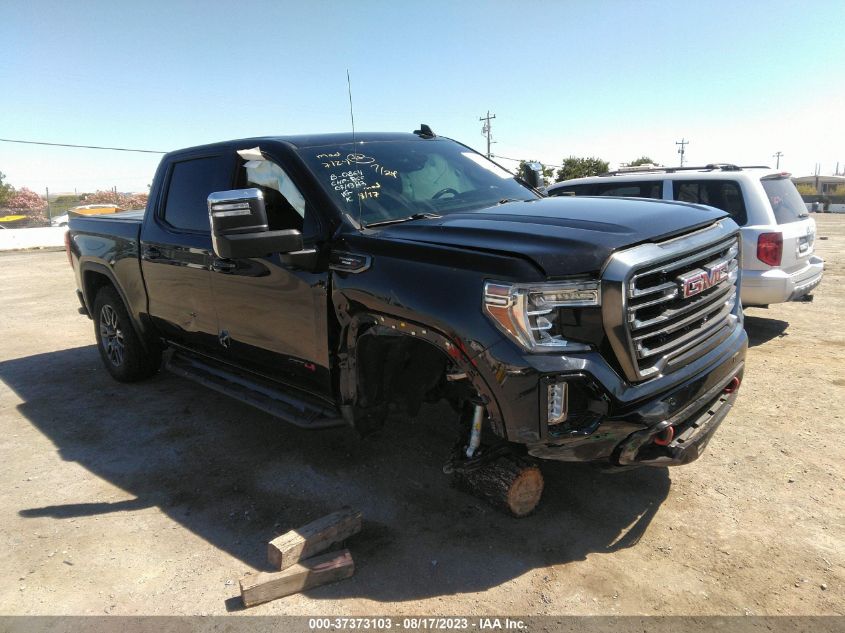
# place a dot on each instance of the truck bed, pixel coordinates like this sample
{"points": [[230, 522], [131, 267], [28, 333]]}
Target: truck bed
{"points": [[124, 223]]}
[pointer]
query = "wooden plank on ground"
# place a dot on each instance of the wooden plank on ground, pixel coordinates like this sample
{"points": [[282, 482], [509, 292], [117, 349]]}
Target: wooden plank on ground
{"points": [[318, 536], [263, 587]]}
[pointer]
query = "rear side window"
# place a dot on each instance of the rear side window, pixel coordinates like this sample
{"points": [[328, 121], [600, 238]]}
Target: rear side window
{"points": [[571, 190], [646, 189], [785, 200], [722, 194], [649, 189], [191, 181]]}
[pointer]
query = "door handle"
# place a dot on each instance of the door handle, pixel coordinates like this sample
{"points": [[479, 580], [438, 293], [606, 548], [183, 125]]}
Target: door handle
{"points": [[223, 266], [151, 252]]}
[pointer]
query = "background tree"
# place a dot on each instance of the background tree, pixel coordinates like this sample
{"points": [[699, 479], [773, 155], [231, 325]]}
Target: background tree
{"points": [[806, 189], [27, 200], [573, 167], [122, 200], [522, 170], [642, 160], [6, 191], [28, 203]]}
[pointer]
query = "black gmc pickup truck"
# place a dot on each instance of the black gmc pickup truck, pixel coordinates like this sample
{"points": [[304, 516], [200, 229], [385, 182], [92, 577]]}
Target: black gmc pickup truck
{"points": [[329, 279]]}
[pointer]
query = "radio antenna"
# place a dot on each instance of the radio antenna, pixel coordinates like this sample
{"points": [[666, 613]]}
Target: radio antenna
{"points": [[354, 147]]}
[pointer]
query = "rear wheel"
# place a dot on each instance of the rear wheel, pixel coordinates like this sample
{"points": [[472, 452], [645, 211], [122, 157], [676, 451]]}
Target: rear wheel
{"points": [[124, 356]]}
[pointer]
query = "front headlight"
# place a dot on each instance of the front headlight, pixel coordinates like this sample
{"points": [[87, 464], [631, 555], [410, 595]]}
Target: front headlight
{"points": [[528, 312]]}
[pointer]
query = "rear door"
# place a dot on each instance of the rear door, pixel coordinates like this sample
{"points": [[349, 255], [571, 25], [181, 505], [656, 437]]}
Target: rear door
{"points": [[176, 253]]}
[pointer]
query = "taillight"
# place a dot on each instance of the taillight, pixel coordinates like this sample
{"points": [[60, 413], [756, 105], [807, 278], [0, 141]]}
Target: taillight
{"points": [[770, 248], [67, 248]]}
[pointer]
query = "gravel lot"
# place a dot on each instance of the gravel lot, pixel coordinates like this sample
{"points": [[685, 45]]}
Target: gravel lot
{"points": [[155, 498]]}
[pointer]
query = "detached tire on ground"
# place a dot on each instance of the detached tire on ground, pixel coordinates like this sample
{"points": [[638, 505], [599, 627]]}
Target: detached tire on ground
{"points": [[511, 483], [124, 356]]}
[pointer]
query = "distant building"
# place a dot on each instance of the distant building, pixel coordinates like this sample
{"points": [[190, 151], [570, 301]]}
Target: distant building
{"points": [[824, 185]]}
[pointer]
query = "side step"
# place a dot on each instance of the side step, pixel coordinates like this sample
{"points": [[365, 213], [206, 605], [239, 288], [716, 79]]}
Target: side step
{"points": [[252, 391]]}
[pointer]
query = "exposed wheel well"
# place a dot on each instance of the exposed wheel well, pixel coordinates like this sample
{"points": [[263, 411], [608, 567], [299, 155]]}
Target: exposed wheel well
{"points": [[399, 369], [92, 281]]}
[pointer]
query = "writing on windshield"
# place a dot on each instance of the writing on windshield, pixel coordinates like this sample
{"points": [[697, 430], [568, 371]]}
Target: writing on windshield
{"points": [[389, 180]]}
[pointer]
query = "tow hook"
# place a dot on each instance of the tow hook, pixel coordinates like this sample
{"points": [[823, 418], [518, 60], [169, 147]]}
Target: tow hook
{"points": [[733, 385], [665, 437]]}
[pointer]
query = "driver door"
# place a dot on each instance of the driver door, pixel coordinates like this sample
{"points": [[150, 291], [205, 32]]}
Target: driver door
{"points": [[272, 316]]}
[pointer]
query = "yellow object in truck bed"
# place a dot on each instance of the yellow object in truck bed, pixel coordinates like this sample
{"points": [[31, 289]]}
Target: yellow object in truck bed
{"points": [[94, 209]]}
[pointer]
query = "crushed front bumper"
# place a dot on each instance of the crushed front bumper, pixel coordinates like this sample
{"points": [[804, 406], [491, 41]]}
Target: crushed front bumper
{"points": [[682, 438], [625, 435]]}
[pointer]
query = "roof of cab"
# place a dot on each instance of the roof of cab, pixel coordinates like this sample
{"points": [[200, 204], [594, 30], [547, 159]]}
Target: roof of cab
{"points": [[300, 141]]}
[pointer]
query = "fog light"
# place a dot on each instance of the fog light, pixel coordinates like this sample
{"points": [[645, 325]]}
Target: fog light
{"points": [[557, 403]]}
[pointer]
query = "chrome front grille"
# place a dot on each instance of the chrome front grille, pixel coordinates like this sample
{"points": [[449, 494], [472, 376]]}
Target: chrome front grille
{"points": [[664, 325], [677, 300]]}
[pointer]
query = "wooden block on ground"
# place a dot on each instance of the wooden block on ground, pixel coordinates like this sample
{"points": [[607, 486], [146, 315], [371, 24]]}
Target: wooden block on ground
{"points": [[263, 587], [512, 483], [318, 536]]}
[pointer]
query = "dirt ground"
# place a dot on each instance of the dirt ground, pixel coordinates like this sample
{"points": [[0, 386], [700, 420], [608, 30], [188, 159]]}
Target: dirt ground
{"points": [[155, 498]]}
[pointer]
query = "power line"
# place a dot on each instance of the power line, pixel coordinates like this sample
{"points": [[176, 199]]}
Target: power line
{"points": [[114, 149]]}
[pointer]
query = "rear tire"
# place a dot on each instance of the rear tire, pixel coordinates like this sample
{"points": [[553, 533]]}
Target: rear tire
{"points": [[125, 358]]}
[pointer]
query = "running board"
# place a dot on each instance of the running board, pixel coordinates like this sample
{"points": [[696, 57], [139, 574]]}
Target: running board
{"points": [[270, 399]]}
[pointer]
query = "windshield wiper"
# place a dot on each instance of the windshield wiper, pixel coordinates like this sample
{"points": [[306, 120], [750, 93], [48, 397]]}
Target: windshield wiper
{"points": [[413, 216], [507, 200]]}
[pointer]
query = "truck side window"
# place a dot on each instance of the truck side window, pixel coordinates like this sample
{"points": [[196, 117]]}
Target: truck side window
{"points": [[286, 206], [722, 194], [191, 181]]}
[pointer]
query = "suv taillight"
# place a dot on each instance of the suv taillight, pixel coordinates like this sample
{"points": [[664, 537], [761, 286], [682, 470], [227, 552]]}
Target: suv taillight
{"points": [[770, 248], [67, 248]]}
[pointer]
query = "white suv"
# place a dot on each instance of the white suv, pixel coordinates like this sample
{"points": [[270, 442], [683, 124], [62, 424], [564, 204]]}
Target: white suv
{"points": [[778, 234]]}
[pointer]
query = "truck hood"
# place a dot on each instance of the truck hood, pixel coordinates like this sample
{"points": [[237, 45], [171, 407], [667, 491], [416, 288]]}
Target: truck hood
{"points": [[563, 236]]}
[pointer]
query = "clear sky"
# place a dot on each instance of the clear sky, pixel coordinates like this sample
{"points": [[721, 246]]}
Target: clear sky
{"points": [[739, 80]]}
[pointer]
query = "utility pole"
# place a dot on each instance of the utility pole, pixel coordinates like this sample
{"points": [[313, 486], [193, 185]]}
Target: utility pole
{"points": [[487, 129], [49, 214], [777, 156], [683, 143]]}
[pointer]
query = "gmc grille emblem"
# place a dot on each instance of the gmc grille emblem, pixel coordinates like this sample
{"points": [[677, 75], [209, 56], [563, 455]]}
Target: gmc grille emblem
{"points": [[698, 280]]}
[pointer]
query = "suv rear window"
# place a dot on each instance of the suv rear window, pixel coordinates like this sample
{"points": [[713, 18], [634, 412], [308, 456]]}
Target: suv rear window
{"points": [[785, 200], [722, 194]]}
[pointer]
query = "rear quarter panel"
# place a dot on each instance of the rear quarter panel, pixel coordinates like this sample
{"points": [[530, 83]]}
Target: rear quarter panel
{"points": [[109, 245]]}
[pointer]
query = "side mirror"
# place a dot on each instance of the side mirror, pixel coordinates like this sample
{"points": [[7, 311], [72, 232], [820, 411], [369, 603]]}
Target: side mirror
{"points": [[534, 175], [239, 226]]}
